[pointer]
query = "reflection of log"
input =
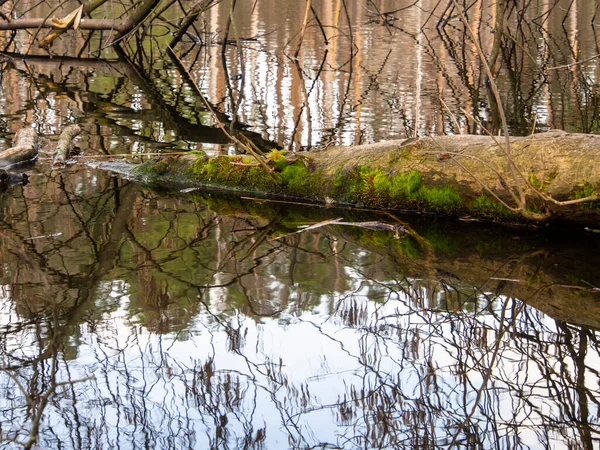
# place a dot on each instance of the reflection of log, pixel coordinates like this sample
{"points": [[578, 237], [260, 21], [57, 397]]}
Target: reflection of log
{"points": [[25, 148], [549, 280], [64, 145]]}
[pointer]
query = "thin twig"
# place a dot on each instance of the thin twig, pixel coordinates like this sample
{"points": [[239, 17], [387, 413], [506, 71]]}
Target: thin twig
{"points": [[576, 63]]}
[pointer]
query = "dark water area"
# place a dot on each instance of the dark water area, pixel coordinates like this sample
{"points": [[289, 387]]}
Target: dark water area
{"points": [[131, 318]]}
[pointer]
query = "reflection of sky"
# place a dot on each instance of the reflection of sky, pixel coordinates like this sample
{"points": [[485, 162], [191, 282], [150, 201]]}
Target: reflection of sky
{"points": [[293, 369]]}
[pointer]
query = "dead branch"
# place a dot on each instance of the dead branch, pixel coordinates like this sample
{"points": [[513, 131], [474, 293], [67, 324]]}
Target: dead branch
{"points": [[65, 144], [85, 24], [86, 9], [25, 148], [197, 9]]}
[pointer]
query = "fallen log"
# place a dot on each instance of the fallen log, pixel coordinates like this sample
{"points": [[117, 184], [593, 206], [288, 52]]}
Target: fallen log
{"points": [[25, 148], [558, 172]]}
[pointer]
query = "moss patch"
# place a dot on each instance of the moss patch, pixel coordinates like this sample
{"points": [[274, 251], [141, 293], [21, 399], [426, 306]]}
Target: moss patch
{"points": [[541, 184], [300, 181], [490, 207], [440, 198], [586, 191], [373, 187], [241, 172]]}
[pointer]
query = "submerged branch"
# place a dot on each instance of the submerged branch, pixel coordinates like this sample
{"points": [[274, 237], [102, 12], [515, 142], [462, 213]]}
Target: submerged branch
{"points": [[65, 143]]}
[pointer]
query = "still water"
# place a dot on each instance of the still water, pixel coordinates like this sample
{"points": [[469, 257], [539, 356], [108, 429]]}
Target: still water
{"points": [[138, 319], [133, 319], [366, 71]]}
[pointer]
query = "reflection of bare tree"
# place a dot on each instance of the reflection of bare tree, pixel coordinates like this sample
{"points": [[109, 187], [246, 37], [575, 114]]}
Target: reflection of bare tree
{"points": [[202, 330], [421, 75]]}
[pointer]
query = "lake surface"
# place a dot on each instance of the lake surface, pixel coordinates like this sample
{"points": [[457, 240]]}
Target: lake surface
{"points": [[167, 321], [138, 319], [368, 72]]}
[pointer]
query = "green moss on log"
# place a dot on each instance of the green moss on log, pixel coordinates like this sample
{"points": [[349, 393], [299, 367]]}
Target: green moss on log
{"points": [[586, 191], [373, 187], [362, 185], [542, 184], [367, 185], [488, 206]]}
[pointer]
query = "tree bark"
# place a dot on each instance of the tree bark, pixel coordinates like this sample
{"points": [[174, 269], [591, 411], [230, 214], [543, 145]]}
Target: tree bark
{"points": [[25, 148], [134, 19]]}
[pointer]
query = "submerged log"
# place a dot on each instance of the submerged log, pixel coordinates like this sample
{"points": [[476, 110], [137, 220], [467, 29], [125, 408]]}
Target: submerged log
{"points": [[25, 148], [555, 174]]}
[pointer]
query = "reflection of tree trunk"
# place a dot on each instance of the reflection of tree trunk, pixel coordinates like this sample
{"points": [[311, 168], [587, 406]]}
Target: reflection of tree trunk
{"points": [[495, 116], [578, 356], [498, 35], [106, 256], [584, 411]]}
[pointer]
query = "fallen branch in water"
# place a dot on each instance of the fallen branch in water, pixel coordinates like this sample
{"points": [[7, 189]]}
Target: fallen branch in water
{"points": [[455, 175], [65, 144], [25, 148], [373, 225]]}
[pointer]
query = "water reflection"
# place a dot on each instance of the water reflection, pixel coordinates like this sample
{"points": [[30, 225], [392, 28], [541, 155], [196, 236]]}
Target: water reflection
{"points": [[132, 319], [135, 319], [365, 73]]}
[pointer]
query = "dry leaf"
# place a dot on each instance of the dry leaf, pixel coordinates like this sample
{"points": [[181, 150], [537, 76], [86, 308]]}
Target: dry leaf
{"points": [[67, 21]]}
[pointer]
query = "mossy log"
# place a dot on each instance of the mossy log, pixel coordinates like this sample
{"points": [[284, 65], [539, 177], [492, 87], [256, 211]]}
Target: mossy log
{"points": [[25, 148], [456, 175]]}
